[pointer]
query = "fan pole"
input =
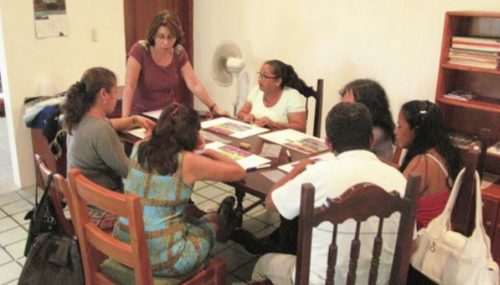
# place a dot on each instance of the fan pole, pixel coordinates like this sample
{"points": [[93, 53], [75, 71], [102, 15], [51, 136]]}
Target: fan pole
{"points": [[235, 84]]}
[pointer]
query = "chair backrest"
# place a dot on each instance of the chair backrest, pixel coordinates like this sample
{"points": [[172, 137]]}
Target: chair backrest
{"points": [[57, 194], [94, 241], [462, 216], [318, 96], [359, 203]]}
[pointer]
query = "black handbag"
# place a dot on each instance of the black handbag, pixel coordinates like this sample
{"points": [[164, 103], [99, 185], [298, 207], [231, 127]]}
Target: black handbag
{"points": [[53, 259], [42, 216]]}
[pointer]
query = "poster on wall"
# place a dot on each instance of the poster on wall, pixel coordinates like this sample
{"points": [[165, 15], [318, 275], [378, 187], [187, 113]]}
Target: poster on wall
{"points": [[50, 18]]}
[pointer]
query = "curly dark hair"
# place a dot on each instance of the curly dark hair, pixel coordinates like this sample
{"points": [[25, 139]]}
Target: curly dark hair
{"points": [[430, 130], [371, 94], [177, 130], [82, 95], [167, 19], [289, 76]]}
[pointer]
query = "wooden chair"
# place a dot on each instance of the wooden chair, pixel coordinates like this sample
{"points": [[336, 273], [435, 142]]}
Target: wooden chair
{"points": [[57, 194], [134, 256], [318, 96], [359, 203]]}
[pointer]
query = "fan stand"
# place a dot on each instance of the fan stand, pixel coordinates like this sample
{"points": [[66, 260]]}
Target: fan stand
{"points": [[236, 100]]}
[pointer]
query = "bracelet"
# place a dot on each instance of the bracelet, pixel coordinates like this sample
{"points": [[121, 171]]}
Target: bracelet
{"points": [[133, 120], [211, 108]]}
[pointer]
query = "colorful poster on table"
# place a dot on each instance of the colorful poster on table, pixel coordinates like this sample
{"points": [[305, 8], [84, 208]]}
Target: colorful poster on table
{"points": [[244, 158], [297, 141], [232, 128]]}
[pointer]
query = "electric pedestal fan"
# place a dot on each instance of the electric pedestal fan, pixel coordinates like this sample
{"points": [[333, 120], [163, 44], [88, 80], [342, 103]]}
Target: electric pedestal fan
{"points": [[227, 64]]}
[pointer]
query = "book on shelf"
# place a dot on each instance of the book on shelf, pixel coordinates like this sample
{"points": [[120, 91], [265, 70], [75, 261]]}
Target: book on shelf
{"points": [[494, 149], [473, 63], [476, 40], [478, 47], [476, 53], [461, 95]]}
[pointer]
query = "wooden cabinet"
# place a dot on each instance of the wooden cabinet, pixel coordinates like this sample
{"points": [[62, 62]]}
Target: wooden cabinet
{"points": [[483, 111]]}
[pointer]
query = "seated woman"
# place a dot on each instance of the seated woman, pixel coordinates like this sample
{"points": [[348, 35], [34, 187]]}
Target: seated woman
{"points": [[163, 171], [93, 144], [422, 131], [276, 101], [371, 94]]}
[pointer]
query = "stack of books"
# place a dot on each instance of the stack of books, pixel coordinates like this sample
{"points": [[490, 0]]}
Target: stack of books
{"points": [[474, 51], [462, 140], [461, 95]]}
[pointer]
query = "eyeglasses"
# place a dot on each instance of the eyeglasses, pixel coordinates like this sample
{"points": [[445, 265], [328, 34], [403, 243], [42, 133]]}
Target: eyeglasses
{"points": [[161, 37], [265, 76]]}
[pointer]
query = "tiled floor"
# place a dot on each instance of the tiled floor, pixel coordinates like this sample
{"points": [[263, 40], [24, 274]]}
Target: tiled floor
{"points": [[207, 195]]}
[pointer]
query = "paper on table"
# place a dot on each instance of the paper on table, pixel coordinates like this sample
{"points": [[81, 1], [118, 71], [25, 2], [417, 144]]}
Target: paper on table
{"points": [[296, 140], [244, 158], [270, 150], [232, 128], [140, 133], [273, 175], [213, 138], [153, 114], [325, 156]]}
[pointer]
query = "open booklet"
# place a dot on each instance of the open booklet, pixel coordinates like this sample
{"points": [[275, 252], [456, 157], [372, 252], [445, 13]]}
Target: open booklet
{"points": [[232, 128], [245, 159], [325, 156], [296, 140]]}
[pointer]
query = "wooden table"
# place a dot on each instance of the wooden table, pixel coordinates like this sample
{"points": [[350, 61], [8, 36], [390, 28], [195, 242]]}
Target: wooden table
{"points": [[254, 182]]}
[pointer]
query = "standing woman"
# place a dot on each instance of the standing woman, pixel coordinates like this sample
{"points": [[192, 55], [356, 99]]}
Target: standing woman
{"points": [[154, 66], [93, 144], [422, 131], [163, 171], [371, 94], [276, 102]]}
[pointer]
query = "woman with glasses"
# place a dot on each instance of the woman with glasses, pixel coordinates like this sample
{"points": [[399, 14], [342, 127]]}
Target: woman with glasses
{"points": [[276, 102], [154, 67], [371, 94]]}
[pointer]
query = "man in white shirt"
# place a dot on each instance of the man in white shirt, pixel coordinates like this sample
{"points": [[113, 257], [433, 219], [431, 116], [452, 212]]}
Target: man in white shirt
{"points": [[349, 136]]}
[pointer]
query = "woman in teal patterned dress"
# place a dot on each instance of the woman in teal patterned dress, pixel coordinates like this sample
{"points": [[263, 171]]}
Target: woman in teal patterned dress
{"points": [[162, 172]]}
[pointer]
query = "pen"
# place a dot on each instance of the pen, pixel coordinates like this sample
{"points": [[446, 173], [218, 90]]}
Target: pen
{"points": [[289, 155], [259, 167]]}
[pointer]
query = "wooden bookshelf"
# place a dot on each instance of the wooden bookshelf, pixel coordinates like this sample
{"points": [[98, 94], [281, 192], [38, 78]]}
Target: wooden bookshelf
{"points": [[481, 112]]}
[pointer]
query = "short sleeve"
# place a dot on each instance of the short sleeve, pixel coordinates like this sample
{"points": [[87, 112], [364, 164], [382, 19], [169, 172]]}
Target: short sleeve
{"points": [[296, 101], [181, 58], [137, 51], [253, 94]]}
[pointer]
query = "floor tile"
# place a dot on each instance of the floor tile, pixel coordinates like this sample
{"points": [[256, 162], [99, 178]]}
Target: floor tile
{"points": [[224, 186], [245, 272], [13, 235], [7, 223], [10, 272], [29, 192], [9, 198], [210, 192], [2, 214], [17, 207], [16, 250], [234, 259], [19, 218], [4, 257]]}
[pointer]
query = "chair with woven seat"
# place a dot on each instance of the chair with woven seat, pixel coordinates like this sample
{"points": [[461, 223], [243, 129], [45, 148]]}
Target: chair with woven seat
{"points": [[127, 263], [359, 203], [56, 194], [318, 109]]}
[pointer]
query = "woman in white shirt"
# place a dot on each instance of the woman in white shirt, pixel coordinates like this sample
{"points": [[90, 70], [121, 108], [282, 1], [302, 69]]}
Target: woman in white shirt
{"points": [[276, 102]]}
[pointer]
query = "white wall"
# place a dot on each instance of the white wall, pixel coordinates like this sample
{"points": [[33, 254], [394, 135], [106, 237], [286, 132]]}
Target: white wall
{"points": [[394, 42], [25, 61]]}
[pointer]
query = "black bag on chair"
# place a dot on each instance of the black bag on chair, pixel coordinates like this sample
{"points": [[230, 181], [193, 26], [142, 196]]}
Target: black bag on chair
{"points": [[43, 217], [54, 259]]}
